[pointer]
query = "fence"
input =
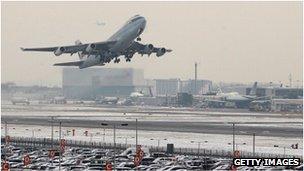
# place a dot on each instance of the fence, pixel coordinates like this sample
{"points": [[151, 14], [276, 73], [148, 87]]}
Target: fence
{"points": [[47, 142]]}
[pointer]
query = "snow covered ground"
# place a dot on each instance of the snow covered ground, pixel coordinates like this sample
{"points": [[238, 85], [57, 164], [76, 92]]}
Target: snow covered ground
{"points": [[264, 144], [214, 141]]}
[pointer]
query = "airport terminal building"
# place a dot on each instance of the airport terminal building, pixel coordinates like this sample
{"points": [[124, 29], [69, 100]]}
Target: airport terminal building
{"points": [[279, 92], [92, 83], [175, 86]]}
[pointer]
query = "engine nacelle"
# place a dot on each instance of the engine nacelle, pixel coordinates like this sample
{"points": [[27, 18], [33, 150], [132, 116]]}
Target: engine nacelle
{"points": [[148, 49], [160, 52], [90, 48], [59, 51]]}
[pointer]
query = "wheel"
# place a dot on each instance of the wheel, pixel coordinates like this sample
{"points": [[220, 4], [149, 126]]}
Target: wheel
{"points": [[138, 39]]}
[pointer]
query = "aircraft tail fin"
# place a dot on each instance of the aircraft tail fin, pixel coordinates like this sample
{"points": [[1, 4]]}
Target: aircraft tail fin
{"points": [[78, 42], [219, 91], [253, 89]]}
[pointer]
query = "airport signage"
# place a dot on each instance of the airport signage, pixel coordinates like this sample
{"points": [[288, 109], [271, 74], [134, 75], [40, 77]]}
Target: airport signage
{"points": [[62, 145], [139, 155], [26, 160], [5, 166], [233, 168], [236, 154], [51, 153], [108, 166]]}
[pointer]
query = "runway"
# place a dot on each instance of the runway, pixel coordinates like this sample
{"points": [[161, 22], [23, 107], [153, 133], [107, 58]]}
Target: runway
{"points": [[194, 127]]}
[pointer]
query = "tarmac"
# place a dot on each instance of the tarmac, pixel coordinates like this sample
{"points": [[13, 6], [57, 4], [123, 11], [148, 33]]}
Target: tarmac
{"points": [[193, 127]]}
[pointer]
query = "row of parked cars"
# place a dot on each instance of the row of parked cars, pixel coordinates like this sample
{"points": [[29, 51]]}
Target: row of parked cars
{"points": [[96, 159]]}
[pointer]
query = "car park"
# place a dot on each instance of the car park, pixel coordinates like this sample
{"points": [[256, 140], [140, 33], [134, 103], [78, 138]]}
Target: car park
{"points": [[95, 159]]}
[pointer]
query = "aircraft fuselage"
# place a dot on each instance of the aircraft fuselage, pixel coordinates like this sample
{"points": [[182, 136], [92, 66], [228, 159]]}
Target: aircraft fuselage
{"points": [[124, 37]]}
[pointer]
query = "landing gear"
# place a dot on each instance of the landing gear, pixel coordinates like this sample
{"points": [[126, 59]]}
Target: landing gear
{"points": [[128, 60], [138, 39], [108, 60], [116, 60]]}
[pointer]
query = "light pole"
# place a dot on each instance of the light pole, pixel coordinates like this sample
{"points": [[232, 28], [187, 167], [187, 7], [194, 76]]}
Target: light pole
{"points": [[104, 134], [136, 133], [198, 146], [6, 141], [52, 134], [284, 148], [236, 145], [91, 139], [114, 139], [198, 151], [126, 140], [253, 144], [59, 144], [114, 135], [158, 141], [52, 131], [33, 132], [233, 137], [5, 129]]}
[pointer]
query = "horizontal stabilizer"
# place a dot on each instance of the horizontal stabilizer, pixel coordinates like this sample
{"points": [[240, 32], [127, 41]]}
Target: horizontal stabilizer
{"points": [[76, 63]]}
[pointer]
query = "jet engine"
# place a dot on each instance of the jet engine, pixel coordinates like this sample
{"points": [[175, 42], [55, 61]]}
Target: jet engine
{"points": [[160, 52], [148, 49], [59, 51], [90, 48]]}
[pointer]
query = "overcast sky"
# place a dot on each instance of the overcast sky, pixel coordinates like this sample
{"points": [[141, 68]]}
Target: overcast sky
{"points": [[231, 41]]}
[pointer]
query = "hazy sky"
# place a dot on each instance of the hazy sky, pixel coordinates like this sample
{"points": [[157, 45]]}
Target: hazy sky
{"points": [[231, 41]]}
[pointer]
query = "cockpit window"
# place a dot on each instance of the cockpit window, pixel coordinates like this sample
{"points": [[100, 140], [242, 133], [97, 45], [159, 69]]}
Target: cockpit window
{"points": [[135, 18]]}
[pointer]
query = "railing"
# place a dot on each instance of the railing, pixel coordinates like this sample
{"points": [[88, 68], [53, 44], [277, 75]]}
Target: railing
{"points": [[47, 142]]}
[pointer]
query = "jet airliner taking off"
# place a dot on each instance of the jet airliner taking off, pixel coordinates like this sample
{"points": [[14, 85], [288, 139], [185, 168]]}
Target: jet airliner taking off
{"points": [[125, 42]]}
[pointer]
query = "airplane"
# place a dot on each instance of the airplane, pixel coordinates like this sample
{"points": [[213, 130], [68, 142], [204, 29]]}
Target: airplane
{"points": [[121, 43], [20, 100], [100, 23], [107, 100], [235, 96], [243, 100], [219, 99], [136, 94]]}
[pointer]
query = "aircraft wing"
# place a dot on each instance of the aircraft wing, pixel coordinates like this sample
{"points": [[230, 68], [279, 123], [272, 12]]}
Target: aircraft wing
{"points": [[89, 48], [147, 49], [76, 63]]}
